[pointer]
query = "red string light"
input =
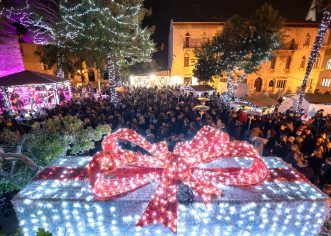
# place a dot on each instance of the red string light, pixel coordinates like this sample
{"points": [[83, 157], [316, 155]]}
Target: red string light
{"points": [[115, 171]]}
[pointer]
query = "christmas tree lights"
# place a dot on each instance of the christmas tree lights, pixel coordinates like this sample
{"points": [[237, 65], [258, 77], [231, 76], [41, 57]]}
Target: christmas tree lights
{"points": [[240, 48], [90, 30], [112, 80], [325, 23]]}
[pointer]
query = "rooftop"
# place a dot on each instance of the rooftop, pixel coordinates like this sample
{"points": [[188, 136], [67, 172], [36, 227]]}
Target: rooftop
{"points": [[220, 21], [202, 87], [318, 98], [261, 100]]}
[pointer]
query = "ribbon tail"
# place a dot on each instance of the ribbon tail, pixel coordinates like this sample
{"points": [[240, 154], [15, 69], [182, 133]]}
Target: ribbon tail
{"points": [[162, 207], [204, 187]]}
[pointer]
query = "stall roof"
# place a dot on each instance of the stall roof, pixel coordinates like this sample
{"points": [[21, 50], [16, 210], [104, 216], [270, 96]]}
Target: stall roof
{"points": [[201, 88], [318, 98], [29, 77], [261, 100]]}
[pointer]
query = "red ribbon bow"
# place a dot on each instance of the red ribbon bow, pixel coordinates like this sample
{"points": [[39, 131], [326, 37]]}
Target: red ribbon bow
{"points": [[108, 180]]}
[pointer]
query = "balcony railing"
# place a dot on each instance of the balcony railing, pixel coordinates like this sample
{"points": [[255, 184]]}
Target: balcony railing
{"points": [[193, 43]]}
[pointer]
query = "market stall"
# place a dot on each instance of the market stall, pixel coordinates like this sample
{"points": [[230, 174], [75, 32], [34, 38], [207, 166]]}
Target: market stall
{"points": [[30, 90], [256, 104], [311, 103], [199, 90]]}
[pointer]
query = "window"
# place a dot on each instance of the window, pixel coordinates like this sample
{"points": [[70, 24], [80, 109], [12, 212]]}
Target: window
{"points": [[187, 40], [187, 80], [288, 62], [91, 75], [186, 61], [281, 84], [204, 38], [326, 82], [271, 84], [303, 62], [105, 75], [328, 65], [317, 61], [273, 63], [307, 40]]}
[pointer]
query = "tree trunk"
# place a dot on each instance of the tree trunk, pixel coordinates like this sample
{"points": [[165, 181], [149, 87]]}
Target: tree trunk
{"points": [[5, 97], [314, 52], [60, 66], [14, 157], [112, 79], [229, 85]]}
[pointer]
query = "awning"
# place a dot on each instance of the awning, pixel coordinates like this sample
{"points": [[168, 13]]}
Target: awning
{"points": [[27, 77], [318, 98], [261, 101], [200, 88]]}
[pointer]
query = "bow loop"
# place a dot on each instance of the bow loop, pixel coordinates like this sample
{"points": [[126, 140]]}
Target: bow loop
{"points": [[115, 171]]}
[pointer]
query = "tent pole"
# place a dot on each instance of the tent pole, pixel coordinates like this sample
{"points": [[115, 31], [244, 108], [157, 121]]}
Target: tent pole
{"points": [[5, 96], [56, 95]]}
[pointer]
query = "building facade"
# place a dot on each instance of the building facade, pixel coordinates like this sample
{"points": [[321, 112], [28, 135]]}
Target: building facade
{"points": [[15, 57], [282, 74]]}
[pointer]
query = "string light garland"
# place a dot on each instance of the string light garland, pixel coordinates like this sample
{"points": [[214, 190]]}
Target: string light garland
{"points": [[107, 28], [112, 80], [109, 179], [325, 23], [241, 47]]}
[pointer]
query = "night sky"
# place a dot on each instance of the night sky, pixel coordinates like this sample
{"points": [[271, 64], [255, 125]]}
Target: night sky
{"points": [[164, 10]]}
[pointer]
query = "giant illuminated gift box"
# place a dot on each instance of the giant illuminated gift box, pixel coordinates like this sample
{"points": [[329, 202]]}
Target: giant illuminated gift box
{"points": [[107, 196]]}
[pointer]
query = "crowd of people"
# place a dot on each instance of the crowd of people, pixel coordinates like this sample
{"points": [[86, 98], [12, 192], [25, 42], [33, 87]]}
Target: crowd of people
{"points": [[168, 115]]}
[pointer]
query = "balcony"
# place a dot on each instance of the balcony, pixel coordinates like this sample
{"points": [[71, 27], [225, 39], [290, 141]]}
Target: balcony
{"points": [[193, 43]]}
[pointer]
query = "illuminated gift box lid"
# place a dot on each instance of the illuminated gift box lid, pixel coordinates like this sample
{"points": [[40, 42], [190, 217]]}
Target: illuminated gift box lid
{"points": [[286, 186], [285, 203]]}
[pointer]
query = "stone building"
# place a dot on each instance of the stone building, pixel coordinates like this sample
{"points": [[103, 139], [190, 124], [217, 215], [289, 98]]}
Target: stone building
{"points": [[282, 74]]}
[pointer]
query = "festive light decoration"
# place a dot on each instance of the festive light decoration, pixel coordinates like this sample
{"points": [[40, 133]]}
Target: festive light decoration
{"points": [[171, 168], [38, 17], [284, 204], [325, 23], [240, 47], [93, 29], [112, 80]]}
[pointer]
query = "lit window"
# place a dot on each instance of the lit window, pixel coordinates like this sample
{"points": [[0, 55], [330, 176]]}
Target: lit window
{"points": [[303, 62], [328, 65], [187, 40], [186, 61], [281, 83], [271, 83], [326, 82]]}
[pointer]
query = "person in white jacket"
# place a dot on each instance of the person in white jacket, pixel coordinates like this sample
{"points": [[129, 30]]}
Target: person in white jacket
{"points": [[258, 142]]}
